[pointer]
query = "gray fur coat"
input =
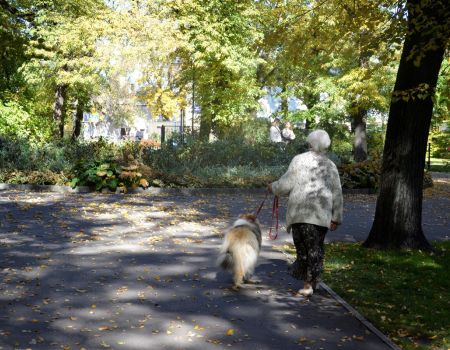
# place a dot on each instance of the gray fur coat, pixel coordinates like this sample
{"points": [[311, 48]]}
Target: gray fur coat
{"points": [[314, 189]]}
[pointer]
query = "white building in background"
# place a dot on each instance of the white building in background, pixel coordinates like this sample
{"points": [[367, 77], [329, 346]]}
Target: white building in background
{"points": [[271, 104], [143, 126]]}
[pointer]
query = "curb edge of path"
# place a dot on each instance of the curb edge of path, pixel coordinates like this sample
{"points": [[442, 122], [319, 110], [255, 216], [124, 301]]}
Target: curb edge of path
{"points": [[151, 190], [174, 190], [359, 317]]}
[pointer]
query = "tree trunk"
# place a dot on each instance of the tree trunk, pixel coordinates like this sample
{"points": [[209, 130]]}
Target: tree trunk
{"points": [[77, 121], [360, 138], [205, 126], [398, 215], [310, 100], [308, 124], [284, 107], [58, 110]]}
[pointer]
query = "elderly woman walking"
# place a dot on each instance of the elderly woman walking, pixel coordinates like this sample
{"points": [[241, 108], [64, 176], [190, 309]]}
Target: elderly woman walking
{"points": [[314, 206]]}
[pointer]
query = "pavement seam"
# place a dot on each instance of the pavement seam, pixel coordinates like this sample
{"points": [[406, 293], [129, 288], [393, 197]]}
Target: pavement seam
{"points": [[359, 317]]}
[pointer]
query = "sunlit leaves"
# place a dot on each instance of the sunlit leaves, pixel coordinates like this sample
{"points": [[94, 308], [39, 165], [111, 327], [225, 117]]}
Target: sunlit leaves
{"points": [[218, 56]]}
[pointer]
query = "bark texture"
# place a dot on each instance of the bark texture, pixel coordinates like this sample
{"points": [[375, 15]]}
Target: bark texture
{"points": [[205, 126], [360, 138], [58, 110], [77, 120], [398, 216]]}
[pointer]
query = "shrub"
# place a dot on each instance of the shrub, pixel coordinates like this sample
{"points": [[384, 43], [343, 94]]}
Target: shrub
{"points": [[97, 174], [236, 161], [255, 131], [240, 176], [231, 152], [36, 177], [361, 175], [110, 175], [14, 154], [440, 144], [98, 163], [62, 155], [85, 151], [375, 141], [367, 175]]}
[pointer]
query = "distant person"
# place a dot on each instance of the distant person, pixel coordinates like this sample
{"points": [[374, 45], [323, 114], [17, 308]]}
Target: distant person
{"points": [[288, 134], [139, 134], [314, 206], [275, 132]]}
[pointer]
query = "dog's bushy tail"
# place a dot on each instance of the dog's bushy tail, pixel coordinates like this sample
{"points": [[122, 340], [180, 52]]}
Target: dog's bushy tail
{"points": [[225, 260], [238, 257]]}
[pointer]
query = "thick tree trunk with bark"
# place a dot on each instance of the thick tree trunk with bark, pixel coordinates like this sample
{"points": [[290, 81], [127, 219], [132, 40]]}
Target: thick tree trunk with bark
{"points": [[58, 110], [398, 216], [360, 138], [77, 120]]}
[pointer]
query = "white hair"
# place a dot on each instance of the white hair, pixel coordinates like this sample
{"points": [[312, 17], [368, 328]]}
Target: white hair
{"points": [[319, 140]]}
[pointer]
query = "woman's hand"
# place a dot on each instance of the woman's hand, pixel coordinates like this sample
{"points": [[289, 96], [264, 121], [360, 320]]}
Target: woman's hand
{"points": [[333, 226]]}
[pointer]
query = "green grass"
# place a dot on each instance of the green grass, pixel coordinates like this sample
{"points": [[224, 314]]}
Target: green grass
{"points": [[439, 165], [404, 294]]}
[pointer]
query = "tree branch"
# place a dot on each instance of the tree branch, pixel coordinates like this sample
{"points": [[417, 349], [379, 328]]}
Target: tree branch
{"points": [[5, 5]]}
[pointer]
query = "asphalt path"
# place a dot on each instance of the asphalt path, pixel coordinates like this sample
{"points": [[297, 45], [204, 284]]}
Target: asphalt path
{"points": [[107, 271]]}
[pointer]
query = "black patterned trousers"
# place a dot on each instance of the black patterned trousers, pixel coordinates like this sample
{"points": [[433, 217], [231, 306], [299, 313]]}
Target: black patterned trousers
{"points": [[308, 241]]}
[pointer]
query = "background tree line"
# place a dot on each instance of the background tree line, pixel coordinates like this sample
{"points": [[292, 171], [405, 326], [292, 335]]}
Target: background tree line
{"points": [[339, 58]]}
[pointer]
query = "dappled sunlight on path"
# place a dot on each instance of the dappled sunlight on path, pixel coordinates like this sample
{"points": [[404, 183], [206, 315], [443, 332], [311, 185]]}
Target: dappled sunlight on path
{"points": [[138, 272]]}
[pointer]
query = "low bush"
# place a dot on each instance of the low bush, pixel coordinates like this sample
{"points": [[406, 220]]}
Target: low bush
{"points": [[58, 162], [361, 175], [97, 174], [231, 152], [232, 162], [57, 156], [367, 175], [375, 141], [220, 176], [35, 177], [440, 144], [113, 173]]}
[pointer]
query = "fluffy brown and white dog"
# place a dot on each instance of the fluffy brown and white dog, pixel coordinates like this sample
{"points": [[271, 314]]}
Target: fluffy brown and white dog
{"points": [[240, 249]]}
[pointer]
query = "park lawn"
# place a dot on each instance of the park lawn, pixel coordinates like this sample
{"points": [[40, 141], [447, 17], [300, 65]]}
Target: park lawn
{"points": [[439, 165], [404, 294]]}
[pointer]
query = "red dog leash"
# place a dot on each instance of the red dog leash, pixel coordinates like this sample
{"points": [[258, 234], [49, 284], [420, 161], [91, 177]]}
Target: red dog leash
{"points": [[274, 214]]}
